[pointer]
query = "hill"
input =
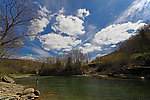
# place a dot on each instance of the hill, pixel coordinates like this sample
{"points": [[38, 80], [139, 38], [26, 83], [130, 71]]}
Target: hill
{"points": [[131, 58], [18, 66]]}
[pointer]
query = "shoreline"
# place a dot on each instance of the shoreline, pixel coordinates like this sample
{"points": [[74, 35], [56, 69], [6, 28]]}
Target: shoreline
{"points": [[117, 76], [99, 76], [17, 75], [14, 91], [21, 75], [9, 91]]}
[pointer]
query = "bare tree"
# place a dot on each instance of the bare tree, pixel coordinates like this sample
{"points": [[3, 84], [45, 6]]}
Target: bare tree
{"points": [[15, 16]]}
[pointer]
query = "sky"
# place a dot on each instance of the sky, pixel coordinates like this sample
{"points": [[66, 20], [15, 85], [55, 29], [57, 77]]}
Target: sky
{"points": [[92, 26]]}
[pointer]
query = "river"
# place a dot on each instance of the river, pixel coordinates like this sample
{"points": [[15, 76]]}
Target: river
{"points": [[81, 88]]}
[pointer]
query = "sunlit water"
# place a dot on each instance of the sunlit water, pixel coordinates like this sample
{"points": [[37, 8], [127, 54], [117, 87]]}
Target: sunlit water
{"points": [[77, 88]]}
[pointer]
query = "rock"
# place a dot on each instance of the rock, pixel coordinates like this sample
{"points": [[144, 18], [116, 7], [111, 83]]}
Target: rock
{"points": [[142, 77], [16, 97], [28, 91], [37, 93], [36, 97], [7, 79], [31, 96], [16, 92]]}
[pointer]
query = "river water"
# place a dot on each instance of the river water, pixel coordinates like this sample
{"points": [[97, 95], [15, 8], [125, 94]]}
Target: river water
{"points": [[80, 88]]}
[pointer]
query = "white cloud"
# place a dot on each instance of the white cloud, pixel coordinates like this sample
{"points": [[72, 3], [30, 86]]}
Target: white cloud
{"points": [[58, 42], [91, 30], [100, 55], [139, 10], [88, 47], [43, 11], [113, 46], [61, 11], [41, 53], [70, 25], [83, 13], [28, 57], [73, 25], [38, 25], [115, 33]]}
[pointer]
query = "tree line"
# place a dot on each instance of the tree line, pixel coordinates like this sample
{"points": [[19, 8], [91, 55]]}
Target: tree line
{"points": [[67, 64]]}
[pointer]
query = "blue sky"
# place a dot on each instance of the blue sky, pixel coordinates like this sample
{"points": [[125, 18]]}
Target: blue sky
{"points": [[94, 26]]}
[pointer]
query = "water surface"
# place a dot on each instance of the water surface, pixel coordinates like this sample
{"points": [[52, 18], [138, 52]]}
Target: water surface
{"points": [[79, 88]]}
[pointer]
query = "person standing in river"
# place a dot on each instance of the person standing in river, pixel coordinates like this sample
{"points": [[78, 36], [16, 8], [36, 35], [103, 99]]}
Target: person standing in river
{"points": [[37, 79]]}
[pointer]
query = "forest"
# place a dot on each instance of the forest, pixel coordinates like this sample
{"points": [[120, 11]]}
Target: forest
{"points": [[69, 64]]}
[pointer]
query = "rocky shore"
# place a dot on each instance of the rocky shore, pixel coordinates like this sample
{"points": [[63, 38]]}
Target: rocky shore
{"points": [[11, 91]]}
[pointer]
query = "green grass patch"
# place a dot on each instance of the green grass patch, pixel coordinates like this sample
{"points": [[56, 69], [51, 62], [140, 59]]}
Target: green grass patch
{"points": [[136, 55]]}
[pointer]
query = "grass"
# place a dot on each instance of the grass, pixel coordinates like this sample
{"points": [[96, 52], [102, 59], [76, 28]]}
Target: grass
{"points": [[136, 55]]}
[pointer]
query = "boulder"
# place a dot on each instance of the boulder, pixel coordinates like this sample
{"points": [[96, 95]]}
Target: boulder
{"points": [[31, 96], [7, 79], [37, 93], [30, 93], [28, 90], [36, 97]]}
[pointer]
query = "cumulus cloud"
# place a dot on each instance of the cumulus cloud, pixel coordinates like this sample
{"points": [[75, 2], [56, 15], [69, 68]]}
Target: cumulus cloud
{"points": [[83, 13], [38, 25], [88, 47], [92, 39], [139, 10], [70, 25], [58, 42], [115, 33]]}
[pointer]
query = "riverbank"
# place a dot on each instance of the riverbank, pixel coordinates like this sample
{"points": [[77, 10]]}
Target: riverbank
{"points": [[18, 75], [11, 91], [115, 76]]}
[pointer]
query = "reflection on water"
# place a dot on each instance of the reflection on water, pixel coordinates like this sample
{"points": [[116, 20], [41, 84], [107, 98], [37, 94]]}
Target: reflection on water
{"points": [[77, 88]]}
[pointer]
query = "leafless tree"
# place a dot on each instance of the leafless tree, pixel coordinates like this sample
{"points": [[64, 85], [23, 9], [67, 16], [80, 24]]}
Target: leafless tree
{"points": [[15, 16]]}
